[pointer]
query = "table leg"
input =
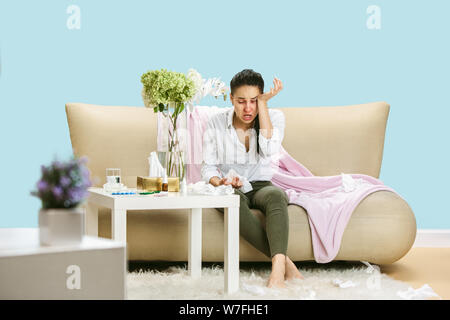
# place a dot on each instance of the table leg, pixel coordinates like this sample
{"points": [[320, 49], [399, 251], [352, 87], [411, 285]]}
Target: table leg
{"points": [[119, 225], [231, 258], [195, 243], [91, 219]]}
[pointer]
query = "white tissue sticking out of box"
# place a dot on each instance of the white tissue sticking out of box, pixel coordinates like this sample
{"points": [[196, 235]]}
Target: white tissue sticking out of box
{"points": [[155, 167]]}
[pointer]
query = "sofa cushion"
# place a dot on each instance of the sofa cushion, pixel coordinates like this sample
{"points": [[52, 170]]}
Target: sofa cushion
{"points": [[331, 140]]}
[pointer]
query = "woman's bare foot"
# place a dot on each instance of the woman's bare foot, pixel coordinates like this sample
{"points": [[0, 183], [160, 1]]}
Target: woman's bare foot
{"points": [[291, 270], [276, 278]]}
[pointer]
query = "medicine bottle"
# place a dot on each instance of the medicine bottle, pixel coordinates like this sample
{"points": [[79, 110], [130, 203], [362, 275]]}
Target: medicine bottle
{"points": [[165, 184]]}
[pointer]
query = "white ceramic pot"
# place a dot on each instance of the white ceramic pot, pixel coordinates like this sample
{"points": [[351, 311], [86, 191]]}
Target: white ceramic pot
{"points": [[61, 226]]}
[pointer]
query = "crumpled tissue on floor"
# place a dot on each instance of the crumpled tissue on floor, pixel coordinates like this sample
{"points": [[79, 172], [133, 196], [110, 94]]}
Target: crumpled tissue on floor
{"points": [[421, 293], [344, 284]]}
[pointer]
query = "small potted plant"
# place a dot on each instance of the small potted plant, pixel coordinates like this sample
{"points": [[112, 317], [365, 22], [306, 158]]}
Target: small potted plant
{"points": [[62, 188]]}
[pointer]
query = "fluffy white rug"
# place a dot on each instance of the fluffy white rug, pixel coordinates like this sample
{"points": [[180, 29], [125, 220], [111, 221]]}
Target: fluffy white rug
{"points": [[321, 282]]}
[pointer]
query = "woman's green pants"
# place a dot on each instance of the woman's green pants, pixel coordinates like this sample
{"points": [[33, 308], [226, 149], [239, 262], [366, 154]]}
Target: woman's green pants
{"points": [[272, 201]]}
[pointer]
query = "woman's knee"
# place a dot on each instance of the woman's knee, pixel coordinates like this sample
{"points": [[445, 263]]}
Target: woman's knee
{"points": [[276, 195]]}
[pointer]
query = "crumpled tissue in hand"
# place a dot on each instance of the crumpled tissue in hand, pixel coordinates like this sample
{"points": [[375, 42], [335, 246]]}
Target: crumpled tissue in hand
{"points": [[202, 187], [246, 187]]}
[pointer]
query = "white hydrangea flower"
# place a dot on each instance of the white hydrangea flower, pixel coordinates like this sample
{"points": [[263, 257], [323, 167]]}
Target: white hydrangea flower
{"points": [[145, 99], [196, 77]]}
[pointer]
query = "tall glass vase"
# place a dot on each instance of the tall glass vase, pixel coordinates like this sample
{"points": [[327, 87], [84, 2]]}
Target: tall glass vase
{"points": [[172, 139]]}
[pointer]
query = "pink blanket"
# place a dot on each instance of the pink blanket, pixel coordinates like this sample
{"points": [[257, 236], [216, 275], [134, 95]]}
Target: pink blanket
{"points": [[329, 201]]}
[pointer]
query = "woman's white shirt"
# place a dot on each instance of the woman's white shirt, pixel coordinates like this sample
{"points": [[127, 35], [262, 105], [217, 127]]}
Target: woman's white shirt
{"points": [[223, 151]]}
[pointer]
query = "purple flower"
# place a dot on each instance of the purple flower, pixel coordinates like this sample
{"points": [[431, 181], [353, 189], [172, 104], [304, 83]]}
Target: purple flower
{"points": [[84, 172], [42, 186], [86, 177], [65, 181], [57, 192], [76, 195]]}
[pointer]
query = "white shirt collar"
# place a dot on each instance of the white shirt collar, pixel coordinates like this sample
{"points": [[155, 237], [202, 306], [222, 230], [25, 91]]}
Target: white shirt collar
{"points": [[230, 117]]}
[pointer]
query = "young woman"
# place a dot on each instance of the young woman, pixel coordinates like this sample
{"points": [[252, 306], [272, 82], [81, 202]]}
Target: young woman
{"points": [[244, 139]]}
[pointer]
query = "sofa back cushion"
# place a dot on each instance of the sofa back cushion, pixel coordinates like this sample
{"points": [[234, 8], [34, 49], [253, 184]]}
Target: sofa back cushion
{"points": [[331, 140], [113, 137], [327, 140]]}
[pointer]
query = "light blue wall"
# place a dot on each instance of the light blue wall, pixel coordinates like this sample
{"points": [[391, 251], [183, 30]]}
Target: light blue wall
{"points": [[322, 50]]}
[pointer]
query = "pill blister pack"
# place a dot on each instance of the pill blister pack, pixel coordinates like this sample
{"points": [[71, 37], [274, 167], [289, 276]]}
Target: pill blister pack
{"points": [[122, 193], [138, 192]]}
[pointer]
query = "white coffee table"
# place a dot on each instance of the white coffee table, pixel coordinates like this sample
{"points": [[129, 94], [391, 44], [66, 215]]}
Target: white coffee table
{"points": [[119, 204], [93, 269]]}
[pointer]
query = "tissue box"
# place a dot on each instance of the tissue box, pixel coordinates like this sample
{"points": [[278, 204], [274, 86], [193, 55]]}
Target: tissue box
{"points": [[174, 184], [149, 183], [155, 183]]}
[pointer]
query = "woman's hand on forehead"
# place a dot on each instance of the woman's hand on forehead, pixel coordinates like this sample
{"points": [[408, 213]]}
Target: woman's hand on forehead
{"points": [[278, 86]]}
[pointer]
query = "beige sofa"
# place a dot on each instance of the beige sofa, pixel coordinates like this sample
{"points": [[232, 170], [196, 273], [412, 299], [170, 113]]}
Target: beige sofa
{"points": [[327, 140]]}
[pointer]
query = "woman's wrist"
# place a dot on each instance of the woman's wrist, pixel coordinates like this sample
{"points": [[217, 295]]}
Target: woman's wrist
{"points": [[262, 103]]}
